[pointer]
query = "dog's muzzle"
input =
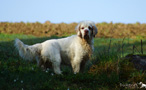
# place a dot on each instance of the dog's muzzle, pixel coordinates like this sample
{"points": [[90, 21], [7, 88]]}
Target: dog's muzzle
{"points": [[86, 34]]}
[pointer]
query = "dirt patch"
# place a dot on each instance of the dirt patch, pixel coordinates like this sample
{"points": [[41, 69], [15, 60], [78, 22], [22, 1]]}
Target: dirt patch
{"points": [[139, 61]]}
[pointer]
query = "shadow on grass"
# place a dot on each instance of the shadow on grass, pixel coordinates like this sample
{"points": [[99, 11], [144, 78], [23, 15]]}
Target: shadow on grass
{"points": [[15, 73]]}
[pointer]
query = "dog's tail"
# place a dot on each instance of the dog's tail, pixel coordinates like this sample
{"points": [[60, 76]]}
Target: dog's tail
{"points": [[28, 52]]}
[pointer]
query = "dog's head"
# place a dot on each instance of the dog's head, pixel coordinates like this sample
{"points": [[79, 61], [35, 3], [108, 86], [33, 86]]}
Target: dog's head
{"points": [[86, 29]]}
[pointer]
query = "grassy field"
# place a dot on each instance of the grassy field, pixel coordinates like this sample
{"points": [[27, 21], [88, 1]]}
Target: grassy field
{"points": [[104, 72]]}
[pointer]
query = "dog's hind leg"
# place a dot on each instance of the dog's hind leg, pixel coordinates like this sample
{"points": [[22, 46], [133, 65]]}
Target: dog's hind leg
{"points": [[56, 63], [56, 67]]}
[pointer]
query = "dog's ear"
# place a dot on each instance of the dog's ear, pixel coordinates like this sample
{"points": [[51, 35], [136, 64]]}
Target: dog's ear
{"points": [[95, 30], [78, 30]]}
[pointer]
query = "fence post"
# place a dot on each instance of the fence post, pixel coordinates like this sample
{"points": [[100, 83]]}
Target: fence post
{"points": [[133, 48], [141, 47]]}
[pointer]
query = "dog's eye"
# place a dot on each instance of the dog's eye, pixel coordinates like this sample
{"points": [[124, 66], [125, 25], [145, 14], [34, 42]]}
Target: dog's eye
{"points": [[82, 28], [90, 28]]}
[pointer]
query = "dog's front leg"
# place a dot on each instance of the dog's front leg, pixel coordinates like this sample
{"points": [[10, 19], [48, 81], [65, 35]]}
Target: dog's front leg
{"points": [[76, 65], [82, 66]]}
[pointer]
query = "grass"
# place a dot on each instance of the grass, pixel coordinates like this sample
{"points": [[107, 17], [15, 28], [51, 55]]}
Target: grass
{"points": [[105, 71]]}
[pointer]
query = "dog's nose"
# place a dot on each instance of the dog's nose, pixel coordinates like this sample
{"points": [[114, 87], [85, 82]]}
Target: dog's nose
{"points": [[86, 31]]}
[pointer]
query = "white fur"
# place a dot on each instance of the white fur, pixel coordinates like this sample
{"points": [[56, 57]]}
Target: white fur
{"points": [[142, 85], [74, 50]]}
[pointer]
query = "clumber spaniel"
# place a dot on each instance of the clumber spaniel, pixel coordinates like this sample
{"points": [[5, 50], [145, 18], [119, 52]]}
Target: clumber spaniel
{"points": [[74, 50]]}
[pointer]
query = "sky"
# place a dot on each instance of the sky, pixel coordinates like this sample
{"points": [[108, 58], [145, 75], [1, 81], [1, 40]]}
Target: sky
{"points": [[68, 11]]}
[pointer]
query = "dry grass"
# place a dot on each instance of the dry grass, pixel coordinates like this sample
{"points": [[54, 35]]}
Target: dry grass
{"points": [[107, 30]]}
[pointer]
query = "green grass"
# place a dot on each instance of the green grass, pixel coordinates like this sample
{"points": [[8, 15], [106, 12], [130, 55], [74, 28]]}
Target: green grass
{"points": [[9, 37], [101, 73]]}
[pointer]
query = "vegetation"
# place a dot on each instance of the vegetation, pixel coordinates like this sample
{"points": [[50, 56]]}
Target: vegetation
{"points": [[106, 69], [107, 30]]}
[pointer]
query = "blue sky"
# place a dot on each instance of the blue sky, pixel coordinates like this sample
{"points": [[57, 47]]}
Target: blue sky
{"points": [[68, 11]]}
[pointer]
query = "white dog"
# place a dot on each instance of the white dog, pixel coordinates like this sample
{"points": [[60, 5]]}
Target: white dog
{"points": [[74, 50]]}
